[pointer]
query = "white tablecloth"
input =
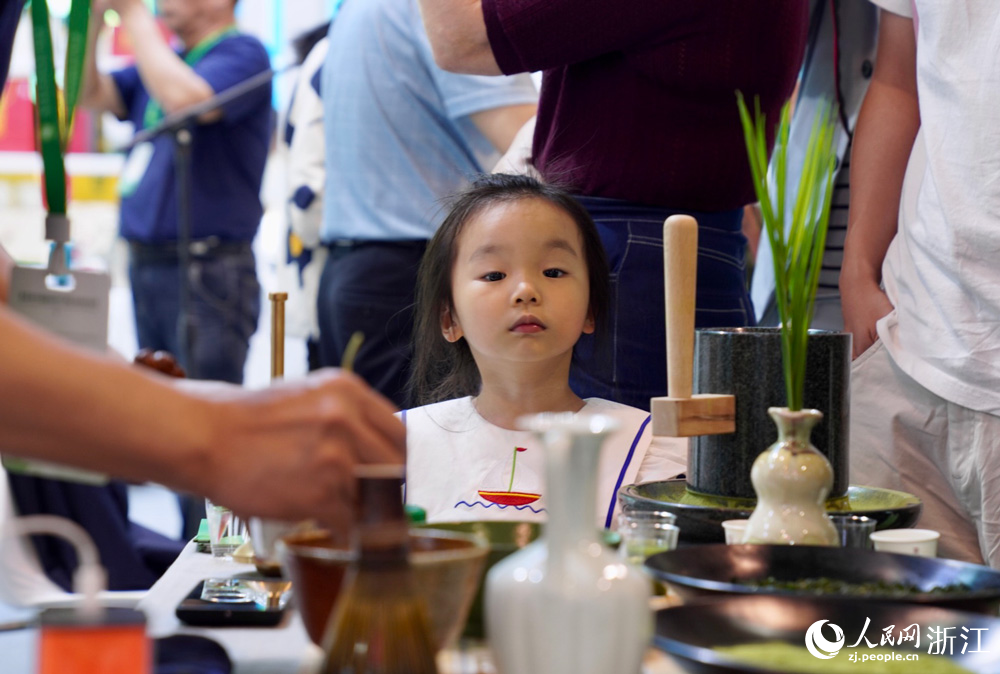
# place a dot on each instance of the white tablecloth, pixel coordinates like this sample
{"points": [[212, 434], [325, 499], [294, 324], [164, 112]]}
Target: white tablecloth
{"points": [[285, 649], [264, 650]]}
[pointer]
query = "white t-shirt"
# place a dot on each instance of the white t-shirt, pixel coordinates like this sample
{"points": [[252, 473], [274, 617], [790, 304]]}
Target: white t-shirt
{"points": [[459, 466], [942, 270]]}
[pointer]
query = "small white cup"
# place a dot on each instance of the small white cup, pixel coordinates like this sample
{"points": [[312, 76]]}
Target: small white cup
{"points": [[920, 542], [735, 529]]}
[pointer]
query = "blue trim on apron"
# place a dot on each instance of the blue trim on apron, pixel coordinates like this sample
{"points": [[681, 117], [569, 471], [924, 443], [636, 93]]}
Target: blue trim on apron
{"points": [[621, 475]]}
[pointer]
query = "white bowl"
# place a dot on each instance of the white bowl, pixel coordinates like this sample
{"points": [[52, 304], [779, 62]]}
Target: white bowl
{"points": [[921, 542], [735, 529]]}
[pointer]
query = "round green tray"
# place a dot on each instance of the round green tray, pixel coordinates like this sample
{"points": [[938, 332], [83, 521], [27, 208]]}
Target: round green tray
{"points": [[700, 516]]}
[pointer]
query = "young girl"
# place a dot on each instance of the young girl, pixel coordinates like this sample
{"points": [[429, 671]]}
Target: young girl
{"points": [[513, 277]]}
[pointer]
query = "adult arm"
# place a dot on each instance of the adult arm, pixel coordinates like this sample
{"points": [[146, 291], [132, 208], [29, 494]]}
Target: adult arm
{"points": [[501, 125], [487, 37], [285, 452], [457, 31], [169, 80], [98, 92], [887, 125]]}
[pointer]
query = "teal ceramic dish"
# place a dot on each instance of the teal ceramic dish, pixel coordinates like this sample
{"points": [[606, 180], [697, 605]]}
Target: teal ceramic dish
{"points": [[700, 516]]}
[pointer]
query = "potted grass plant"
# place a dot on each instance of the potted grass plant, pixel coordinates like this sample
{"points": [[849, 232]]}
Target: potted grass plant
{"points": [[797, 230], [791, 478]]}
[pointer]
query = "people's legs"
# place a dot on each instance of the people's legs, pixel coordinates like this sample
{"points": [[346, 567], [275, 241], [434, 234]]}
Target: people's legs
{"points": [[632, 368], [973, 447], [154, 301], [314, 359], [223, 312], [223, 308], [900, 437], [370, 288]]}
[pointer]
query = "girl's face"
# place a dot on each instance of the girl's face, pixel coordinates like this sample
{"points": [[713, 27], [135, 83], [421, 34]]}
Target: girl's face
{"points": [[519, 284]]}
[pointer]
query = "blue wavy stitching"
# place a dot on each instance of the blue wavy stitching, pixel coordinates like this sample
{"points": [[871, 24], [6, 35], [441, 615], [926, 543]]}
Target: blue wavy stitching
{"points": [[499, 505]]}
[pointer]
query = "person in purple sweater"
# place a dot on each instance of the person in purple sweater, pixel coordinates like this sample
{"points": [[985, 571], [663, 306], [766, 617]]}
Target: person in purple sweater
{"points": [[638, 118]]}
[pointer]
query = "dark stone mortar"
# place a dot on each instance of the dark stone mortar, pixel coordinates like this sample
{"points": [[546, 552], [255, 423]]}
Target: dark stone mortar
{"points": [[746, 362]]}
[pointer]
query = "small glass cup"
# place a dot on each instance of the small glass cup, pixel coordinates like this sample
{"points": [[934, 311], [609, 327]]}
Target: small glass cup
{"points": [[854, 531], [646, 533], [226, 531]]}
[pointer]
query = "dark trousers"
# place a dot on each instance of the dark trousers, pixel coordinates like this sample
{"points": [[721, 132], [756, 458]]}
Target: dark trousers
{"points": [[133, 557], [629, 364], [369, 287], [223, 308], [224, 305]]}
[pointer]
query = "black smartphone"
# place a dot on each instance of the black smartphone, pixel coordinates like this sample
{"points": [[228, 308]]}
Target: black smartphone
{"points": [[227, 603]]}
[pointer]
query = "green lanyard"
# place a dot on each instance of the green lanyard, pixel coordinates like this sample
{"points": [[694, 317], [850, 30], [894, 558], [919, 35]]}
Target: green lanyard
{"points": [[153, 112], [53, 127]]}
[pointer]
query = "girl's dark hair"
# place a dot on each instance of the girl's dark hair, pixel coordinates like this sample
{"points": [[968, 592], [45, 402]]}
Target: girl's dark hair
{"points": [[442, 370]]}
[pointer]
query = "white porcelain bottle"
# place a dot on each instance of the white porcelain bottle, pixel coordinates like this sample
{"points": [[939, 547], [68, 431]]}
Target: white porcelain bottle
{"points": [[566, 604], [792, 480]]}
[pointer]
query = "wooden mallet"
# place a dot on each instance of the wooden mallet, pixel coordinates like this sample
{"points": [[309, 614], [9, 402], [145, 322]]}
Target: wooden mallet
{"points": [[680, 414]]}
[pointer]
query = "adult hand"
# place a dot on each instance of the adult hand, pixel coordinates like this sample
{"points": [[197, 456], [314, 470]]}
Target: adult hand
{"points": [[863, 304], [288, 452]]}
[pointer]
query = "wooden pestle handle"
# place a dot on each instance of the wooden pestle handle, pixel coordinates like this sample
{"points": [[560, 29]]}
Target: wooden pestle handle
{"points": [[277, 334], [680, 265]]}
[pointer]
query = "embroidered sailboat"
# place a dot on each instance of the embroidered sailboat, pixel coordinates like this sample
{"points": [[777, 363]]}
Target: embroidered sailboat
{"points": [[510, 497]]}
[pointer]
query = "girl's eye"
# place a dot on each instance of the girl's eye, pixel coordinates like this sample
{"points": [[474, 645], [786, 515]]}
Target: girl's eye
{"points": [[494, 276], [554, 273]]}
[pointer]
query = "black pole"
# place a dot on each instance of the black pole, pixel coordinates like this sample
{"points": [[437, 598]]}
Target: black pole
{"points": [[185, 326]]}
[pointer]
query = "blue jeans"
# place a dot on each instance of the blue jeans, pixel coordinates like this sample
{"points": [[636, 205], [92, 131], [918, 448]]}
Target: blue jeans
{"points": [[369, 286], [224, 305], [628, 363]]}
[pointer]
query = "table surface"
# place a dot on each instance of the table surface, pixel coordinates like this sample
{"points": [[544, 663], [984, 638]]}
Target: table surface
{"points": [[287, 648]]}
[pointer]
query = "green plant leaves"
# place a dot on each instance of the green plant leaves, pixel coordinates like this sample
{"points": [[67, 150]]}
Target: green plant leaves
{"points": [[798, 236]]}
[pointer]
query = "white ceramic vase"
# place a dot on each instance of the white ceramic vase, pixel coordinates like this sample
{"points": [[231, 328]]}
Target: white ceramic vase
{"points": [[792, 480], [566, 604]]}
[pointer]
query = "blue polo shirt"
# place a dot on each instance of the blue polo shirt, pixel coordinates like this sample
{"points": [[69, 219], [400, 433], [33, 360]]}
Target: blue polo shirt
{"points": [[227, 156], [399, 131]]}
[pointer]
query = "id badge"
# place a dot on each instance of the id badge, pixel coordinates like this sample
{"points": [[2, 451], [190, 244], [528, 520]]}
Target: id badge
{"points": [[74, 307]]}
